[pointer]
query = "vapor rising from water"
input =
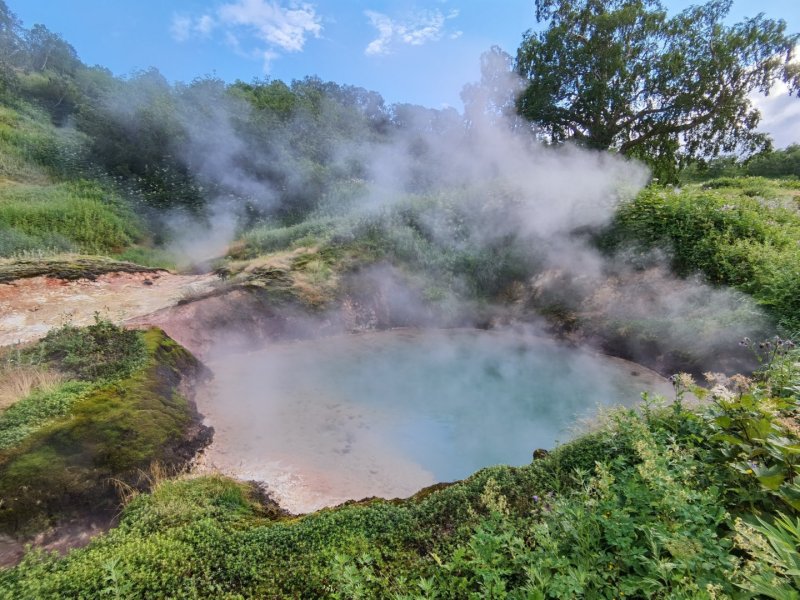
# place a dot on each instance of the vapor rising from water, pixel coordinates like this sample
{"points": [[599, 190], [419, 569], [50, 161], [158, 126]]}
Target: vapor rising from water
{"points": [[503, 189], [482, 183], [387, 413]]}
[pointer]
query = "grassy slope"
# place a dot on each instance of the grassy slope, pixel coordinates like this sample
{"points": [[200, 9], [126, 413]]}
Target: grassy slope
{"points": [[44, 207], [62, 447], [26, 140]]}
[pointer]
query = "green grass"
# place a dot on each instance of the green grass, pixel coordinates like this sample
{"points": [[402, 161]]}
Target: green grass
{"points": [[79, 216], [741, 232], [33, 412], [148, 257], [32, 150], [20, 136]]}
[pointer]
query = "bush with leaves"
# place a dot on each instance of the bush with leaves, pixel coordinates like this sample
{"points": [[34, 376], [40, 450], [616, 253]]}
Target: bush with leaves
{"points": [[100, 351], [739, 232]]}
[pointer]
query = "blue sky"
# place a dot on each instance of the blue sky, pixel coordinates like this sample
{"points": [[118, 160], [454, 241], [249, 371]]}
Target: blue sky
{"points": [[421, 52]]}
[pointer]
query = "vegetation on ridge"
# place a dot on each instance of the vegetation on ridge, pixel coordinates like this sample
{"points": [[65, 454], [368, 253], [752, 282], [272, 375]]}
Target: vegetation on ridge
{"points": [[741, 232]]}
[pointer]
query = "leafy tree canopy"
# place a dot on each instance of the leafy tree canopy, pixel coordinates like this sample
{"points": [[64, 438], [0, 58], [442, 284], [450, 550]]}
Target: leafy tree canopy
{"points": [[10, 42], [48, 50], [622, 74]]}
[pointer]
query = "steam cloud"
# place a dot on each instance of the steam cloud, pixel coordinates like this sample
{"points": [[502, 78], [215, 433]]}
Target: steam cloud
{"points": [[502, 187], [545, 198]]}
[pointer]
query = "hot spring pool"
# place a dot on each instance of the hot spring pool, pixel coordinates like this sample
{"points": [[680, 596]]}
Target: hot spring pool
{"points": [[387, 413]]}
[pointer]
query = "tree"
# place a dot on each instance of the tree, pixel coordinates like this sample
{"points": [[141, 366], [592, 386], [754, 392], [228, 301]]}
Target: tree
{"points": [[11, 45], [49, 51], [492, 99], [621, 74], [11, 52]]}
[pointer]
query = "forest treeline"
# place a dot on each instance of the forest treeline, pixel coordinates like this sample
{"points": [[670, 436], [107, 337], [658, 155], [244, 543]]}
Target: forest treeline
{"points": [[138, 130], [141, 132]]}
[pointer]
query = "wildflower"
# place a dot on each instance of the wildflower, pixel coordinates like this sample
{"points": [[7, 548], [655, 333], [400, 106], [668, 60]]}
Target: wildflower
{"points": [[740, 384], [720, 392], [682, 380], [716, 378]]}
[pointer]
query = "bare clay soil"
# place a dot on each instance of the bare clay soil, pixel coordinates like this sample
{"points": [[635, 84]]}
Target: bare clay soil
{"points": [[29, 308]]}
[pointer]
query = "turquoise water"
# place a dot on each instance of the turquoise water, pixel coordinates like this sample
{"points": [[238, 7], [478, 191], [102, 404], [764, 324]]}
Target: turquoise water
{"points": [[459, 401], [410, 408]]}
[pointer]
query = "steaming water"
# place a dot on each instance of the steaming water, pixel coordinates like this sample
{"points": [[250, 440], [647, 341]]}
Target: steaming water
{"points": [[387, 413]]}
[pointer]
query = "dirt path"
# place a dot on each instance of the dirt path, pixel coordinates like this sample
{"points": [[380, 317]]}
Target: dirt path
{"points": [[29, 308]]}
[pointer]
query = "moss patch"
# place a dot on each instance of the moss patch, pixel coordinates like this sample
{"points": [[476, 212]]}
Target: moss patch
{"points": [[110, 432]]}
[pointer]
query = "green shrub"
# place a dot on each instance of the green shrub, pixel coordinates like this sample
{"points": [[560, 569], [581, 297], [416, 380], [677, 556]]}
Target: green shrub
{"points": [[99, 351], [731, 236], [780, 163], [777, 163], [271, 238]]}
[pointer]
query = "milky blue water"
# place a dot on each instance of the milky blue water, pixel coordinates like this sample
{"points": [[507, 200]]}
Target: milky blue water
{"points": [[459, 401], [402, 409]]}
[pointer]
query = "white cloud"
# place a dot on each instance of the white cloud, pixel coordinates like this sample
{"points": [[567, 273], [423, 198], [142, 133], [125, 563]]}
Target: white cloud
{"points": [[385, 29], [780, 112], [184, 27], [259, 29], [780, 115], [267, 56], [415, 29], [205, 25], [282, 27], [181, 28]]}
